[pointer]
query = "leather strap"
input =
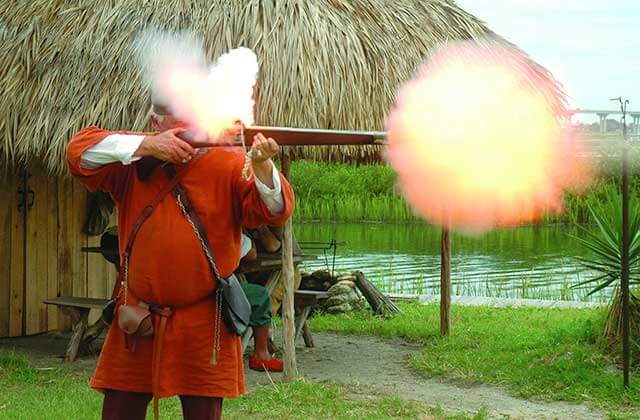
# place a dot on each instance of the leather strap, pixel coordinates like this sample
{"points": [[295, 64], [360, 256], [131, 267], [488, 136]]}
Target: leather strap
{"points": [[163, 313]]}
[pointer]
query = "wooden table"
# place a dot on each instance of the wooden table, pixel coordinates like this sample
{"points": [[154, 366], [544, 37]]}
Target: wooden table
{"points": [[78, 310], [267, 262], [303, 300]]}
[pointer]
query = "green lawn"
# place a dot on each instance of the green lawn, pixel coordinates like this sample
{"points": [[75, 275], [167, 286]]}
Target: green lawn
{"points": [[547, 353], [29, 393], [553, 354]]}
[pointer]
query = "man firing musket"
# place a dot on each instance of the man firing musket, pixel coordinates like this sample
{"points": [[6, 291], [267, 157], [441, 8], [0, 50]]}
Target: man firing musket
{"points": [[190, 353]]}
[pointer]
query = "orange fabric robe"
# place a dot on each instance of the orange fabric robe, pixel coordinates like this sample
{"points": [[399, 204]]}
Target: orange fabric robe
{"points": [[168, 267]]}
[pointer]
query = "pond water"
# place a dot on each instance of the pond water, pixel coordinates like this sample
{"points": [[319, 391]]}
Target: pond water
{"points": [[535, 262]]}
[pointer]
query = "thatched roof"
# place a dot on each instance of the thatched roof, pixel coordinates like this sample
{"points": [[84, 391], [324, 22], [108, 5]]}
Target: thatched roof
{"points": [[324, 64]]}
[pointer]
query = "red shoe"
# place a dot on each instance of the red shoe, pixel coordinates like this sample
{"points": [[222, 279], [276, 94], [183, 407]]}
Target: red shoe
{"points": [[272, 365]]}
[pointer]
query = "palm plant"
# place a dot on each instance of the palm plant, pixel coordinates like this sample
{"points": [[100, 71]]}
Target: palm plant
{"points": [[605, 244]]}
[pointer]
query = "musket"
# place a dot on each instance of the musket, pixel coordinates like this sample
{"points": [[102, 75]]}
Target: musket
{"points": [[287, 136], [284, 136]]}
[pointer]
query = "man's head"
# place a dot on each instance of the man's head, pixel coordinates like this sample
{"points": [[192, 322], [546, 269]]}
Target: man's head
{"points": [[162, 119]]}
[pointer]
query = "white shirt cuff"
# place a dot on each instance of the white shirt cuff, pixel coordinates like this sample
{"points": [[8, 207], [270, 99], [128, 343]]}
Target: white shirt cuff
{"points": [[272, 197], [113, 148]]}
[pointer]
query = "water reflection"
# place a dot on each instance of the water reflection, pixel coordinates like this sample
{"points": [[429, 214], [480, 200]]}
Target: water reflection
{"points": [[527, 262]]}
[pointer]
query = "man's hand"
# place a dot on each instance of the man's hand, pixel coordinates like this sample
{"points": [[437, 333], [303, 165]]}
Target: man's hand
{"points": [[262, 150], [167, 146]]}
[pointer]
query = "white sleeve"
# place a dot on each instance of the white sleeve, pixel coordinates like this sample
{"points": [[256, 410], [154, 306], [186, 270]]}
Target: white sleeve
{"points": [[272, 197], [113, 148]]}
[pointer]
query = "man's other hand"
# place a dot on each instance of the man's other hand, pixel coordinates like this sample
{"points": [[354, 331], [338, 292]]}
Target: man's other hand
{"points": [[263, 148], [167, 146]]}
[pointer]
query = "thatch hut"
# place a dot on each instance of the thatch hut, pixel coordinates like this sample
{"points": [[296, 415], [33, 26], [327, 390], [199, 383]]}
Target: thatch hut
{"points": [[66, 64]]}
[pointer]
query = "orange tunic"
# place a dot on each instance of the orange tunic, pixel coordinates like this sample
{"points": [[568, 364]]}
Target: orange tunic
{"points": [[168, 267]]}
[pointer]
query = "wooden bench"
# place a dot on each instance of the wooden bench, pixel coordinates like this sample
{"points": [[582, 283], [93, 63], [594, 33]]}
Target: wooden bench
{"points": [[83, 334], [77, 308], [269, 262]]}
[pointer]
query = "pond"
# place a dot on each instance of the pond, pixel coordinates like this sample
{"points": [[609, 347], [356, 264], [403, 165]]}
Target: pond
{"points": [[535, 262]]}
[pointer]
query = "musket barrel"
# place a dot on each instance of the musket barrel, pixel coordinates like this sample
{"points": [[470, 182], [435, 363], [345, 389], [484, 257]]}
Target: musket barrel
{"points": [[287, 136]]}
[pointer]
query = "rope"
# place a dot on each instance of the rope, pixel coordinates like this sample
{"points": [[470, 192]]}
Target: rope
{"points": [[247, 156]]}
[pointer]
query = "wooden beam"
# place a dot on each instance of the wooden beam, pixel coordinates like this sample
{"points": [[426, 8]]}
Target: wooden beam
{"points": [[445, 282], [9, 201], [52, 251], [16, 312], [288, 317], [36, 284]]}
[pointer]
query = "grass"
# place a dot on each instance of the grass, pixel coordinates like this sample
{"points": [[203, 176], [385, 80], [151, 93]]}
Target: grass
{"points": [[348, 193], [60, 393], [554, 354]]}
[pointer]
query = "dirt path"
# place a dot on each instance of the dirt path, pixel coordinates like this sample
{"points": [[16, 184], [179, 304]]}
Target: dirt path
{"points": [[381, 365], [371, 365]]}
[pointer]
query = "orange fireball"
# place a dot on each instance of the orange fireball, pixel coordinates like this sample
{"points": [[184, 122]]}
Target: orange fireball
{"points": [[478, 142]]}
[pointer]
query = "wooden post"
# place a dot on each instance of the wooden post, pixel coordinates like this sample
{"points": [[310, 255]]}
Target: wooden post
{"points": [[624, 284], [445, 282], [288, 316]]}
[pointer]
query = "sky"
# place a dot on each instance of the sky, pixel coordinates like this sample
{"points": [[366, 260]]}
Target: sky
{"points": [[592, 47]]}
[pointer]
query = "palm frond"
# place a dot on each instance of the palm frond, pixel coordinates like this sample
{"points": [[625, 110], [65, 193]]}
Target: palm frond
{"points": [[606, 244]]}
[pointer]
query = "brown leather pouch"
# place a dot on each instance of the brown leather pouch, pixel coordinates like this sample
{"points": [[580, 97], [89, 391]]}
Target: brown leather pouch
{"points": [[135, 320]]}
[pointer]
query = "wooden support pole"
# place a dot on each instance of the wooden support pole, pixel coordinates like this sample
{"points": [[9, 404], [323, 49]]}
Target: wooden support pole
{"points": [[624, 284], [445, 282], [288, 316]]}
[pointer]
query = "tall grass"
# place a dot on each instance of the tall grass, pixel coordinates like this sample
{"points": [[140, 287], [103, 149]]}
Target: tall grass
{"points": [[348, 193]]}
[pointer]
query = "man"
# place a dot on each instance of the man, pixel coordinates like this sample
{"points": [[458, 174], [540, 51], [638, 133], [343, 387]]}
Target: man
{"points": [[167, 266], [261, 315]]}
